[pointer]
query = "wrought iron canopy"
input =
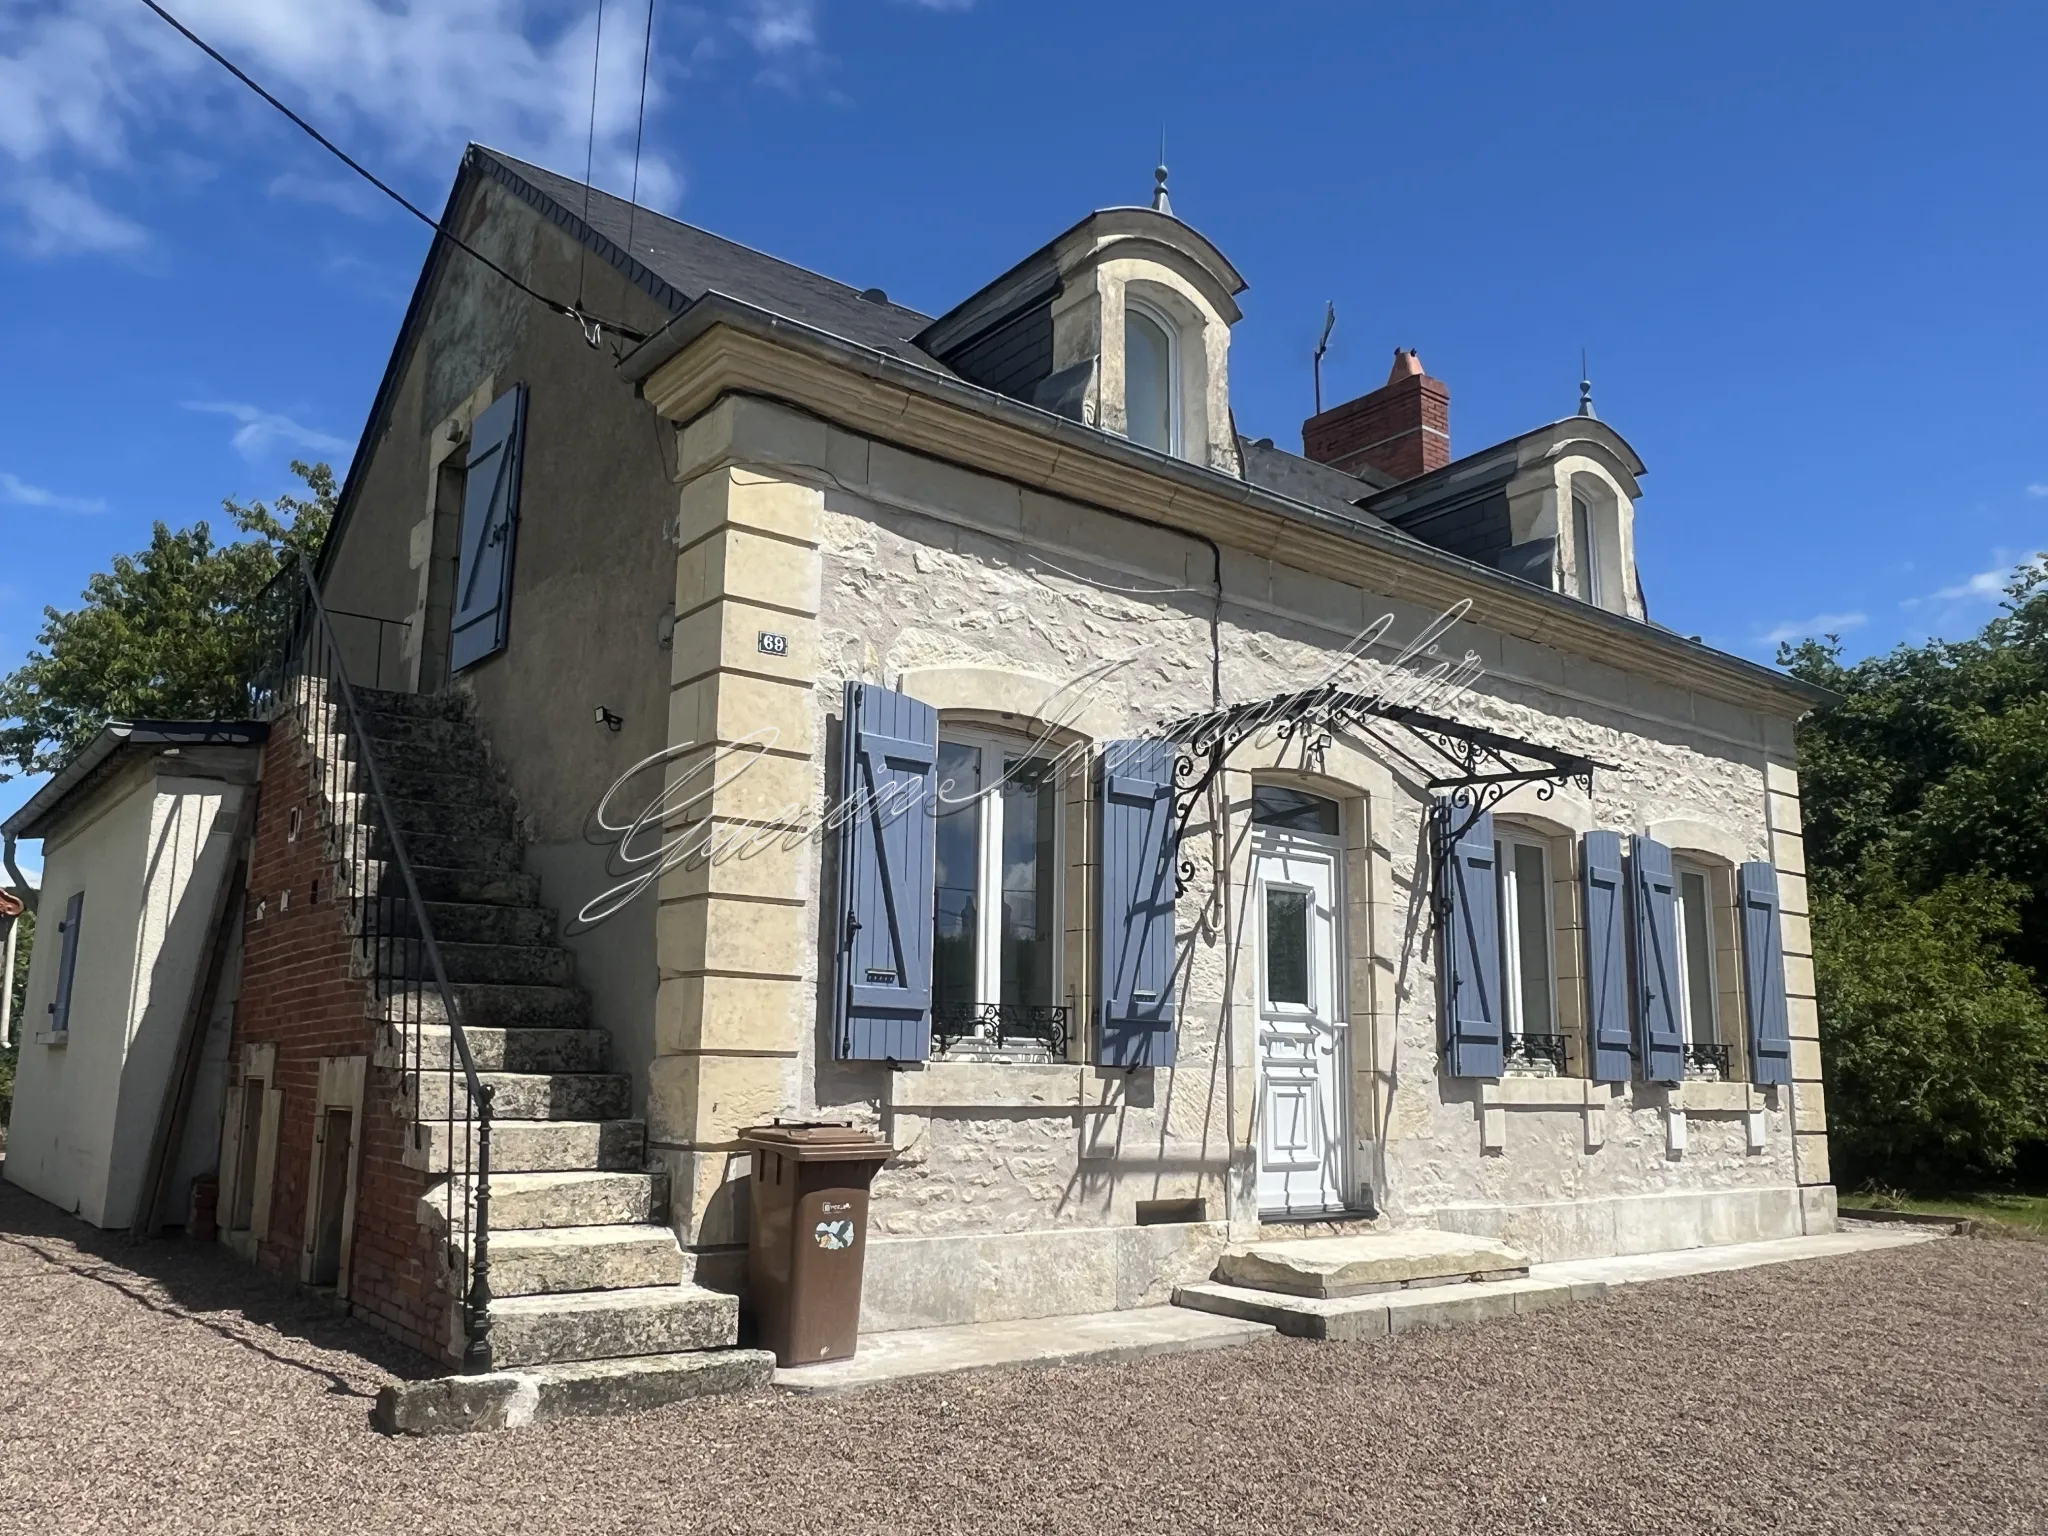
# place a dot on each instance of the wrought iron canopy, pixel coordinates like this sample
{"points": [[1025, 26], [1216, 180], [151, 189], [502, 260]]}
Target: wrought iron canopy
{"points": [[1484, 765]]}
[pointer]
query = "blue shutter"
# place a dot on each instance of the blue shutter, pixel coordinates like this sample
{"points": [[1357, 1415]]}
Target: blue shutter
{"points": [[888, 774], [1608, 1032], [490, 524], [1658, 1034], [1468, 947], [1763, 971], [1139, 855], [67, 962]]}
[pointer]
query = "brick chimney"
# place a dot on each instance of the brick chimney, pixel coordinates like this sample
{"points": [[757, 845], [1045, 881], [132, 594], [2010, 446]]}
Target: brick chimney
{"points": [[1403, 428]]}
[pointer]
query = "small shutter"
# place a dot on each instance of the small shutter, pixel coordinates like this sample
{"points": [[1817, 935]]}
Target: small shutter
{"points": [[1468, 948], [1139, 855], [888, 774], [1658, 1035], [1608, 1032], [490, 524], [1763, 970], [67, 962]]}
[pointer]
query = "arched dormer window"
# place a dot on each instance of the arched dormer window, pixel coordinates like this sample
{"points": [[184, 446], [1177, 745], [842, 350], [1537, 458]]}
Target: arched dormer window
{"points": [[1596, 574], [1152, 412], [1587, 544]]}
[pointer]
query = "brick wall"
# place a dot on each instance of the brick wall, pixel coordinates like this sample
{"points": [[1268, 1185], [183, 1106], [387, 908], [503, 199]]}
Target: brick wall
{"points": [[1402, 429], [297, 992]]}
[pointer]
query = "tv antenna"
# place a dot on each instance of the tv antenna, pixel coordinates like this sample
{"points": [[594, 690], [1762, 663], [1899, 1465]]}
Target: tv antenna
{"points": [[1322, 346]]}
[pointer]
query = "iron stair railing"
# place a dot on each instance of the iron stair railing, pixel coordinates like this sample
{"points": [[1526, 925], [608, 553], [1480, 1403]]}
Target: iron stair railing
{"points": [[395, 936]]}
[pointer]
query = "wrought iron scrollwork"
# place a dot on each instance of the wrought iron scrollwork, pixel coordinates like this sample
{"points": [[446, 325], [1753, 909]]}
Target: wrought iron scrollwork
{"points": [[1704, 1059], [1001, 1026], [1535, 1051]]}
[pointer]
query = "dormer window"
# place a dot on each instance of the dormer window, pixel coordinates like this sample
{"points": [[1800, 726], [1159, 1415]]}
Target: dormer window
{"points": [[1151, 380]]}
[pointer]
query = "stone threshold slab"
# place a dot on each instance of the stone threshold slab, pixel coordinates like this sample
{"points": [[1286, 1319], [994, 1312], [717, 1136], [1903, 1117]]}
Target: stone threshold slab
{"points": [[1091, 1337], [460, 1405], [1378, 1315], [1673, 1263]]}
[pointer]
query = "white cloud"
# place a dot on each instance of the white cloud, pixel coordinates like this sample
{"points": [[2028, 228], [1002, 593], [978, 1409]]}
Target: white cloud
{"points": [[2038, 488], [261, 431], [1819, 624], [57, 218], [778, 26], [1985, 584], [18, 491]]}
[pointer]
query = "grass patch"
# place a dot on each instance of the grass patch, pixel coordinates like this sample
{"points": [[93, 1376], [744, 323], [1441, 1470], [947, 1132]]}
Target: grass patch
{"points": [[2020, 1209]]}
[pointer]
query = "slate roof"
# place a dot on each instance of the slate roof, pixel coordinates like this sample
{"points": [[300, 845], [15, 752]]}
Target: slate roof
{"points": [[693, 262], [1299, 479]]}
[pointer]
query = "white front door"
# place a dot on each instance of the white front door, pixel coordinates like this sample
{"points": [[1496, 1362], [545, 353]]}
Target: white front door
{"points": [[1303, 1095]]}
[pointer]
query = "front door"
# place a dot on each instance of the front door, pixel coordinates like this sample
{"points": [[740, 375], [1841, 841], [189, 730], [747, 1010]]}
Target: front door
{"points": [[1303, 1099]]}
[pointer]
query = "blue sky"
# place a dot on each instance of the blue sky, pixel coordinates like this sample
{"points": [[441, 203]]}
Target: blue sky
{"points": [[1802, 245]]}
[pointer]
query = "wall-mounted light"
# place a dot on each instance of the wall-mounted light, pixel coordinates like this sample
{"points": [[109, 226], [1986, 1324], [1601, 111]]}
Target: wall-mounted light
{"points": [[604, 717]]}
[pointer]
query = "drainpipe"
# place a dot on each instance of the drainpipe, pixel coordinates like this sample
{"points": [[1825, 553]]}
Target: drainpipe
{"points": [[22, 888], [7, 983]]}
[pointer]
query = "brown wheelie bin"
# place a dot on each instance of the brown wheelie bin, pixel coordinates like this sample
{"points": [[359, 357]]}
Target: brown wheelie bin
{"points": [[809, 1237]]}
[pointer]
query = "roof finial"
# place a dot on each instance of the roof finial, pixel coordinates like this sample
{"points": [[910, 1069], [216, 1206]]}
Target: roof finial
{"points": [[1585, 388], [1161, 203]]}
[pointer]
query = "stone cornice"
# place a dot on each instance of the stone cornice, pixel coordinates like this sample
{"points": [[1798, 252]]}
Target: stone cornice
{"points": [[722, 347]]}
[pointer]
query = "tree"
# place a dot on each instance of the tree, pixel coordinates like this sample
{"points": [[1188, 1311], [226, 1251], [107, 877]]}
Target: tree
{"points": [[176, 631], [1926, 811]]}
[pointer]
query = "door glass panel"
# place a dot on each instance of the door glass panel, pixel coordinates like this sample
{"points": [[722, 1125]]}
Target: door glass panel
{"points": [[1029, 880], [1532, 937], [1287, 915], [1696, 934], [955, 919], [1293, 810]]}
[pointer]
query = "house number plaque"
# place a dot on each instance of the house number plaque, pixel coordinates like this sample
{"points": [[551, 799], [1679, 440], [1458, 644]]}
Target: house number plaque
{"points": [[773, 644]]}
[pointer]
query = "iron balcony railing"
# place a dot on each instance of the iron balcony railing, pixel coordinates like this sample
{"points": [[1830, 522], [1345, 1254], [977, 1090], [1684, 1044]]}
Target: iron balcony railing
{"points": [[1705, 1059], [1535, 1052], [394, 936], [1000, 1026]]}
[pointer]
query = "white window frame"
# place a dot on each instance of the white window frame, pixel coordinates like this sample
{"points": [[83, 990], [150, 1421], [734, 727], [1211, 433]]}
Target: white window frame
{"points": [[1689, 1027], [1174, 412], [988, 947], [1508, 839]]}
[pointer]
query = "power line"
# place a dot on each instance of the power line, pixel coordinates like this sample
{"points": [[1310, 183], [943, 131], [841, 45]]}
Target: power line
{"points": [[590, 327], [590, 147], [640, 129]]}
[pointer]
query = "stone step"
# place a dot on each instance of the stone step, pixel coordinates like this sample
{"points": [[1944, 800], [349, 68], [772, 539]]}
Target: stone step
{"points": [[1328, 1267], [518, 965], [419, 730], [551, 1260], [454, 755], [476, 887], [470, 783], [482, 922], [453, 1405], [489, 1006], [525, 1202], [533, 1146], [1377, 1315], [416, 706], [428, 1046], [495, 854], [524, 1095], [607, 1325], [479, 817]]}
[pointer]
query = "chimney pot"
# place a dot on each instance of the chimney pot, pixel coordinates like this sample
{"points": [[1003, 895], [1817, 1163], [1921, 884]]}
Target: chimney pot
{"points": [[1402, 429]]}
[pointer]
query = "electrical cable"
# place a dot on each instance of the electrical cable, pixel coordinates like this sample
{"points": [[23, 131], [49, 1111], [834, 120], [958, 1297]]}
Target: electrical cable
{"points": [[590, 148], [640, 128], [591, 327]]}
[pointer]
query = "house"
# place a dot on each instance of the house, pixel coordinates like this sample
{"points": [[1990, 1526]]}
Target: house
{"points": [[139, 831], [743, 697]]}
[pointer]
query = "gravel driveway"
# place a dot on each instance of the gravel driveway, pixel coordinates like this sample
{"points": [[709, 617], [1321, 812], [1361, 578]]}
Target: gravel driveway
{"points": [[164, 1389]]}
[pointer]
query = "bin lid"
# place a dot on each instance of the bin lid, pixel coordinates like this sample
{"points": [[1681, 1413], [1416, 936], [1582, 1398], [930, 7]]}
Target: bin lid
{"points": [[817, 1143]]}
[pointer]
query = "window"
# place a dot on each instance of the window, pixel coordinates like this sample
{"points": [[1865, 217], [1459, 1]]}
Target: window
{"points": [[1706, 1054], [1528, 958], [1151, 392], [1586, 549], [1287, 922], [1293, 810], [996, 905]]}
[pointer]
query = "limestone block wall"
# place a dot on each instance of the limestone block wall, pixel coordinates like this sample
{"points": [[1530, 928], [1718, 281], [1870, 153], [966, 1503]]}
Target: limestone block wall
{"points": [[1001, 605]]}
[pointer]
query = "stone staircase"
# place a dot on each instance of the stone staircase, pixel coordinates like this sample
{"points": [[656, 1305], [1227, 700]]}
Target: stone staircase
{"points": [[592, 1300]]}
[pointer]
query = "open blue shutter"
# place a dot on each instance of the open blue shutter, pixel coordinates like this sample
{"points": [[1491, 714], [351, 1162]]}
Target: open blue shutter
{"points": [[1608, 1031], [1658, 1033], [1763, 971], [490, 524], [888, 773], [1468, 948], [1139, 855], [67, 961]]}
